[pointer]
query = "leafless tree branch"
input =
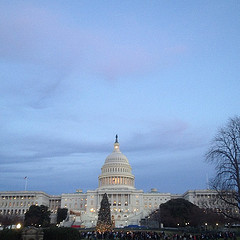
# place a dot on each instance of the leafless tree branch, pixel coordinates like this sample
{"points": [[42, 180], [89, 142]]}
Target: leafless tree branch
{"points": [[224, 153]]}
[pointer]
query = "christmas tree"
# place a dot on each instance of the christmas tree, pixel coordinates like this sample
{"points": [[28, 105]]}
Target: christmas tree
{"points": [[104, 222]]}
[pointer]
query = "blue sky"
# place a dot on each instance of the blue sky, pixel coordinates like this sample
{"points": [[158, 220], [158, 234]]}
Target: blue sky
{"points": [[163, 75]]}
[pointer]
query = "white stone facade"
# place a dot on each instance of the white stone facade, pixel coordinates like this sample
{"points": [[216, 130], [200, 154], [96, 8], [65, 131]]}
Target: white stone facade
{"points": [[19, 202], [128, 204]]}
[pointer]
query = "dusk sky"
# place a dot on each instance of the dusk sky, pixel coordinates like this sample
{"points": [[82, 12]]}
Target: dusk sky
{"points": [[163, 75]]}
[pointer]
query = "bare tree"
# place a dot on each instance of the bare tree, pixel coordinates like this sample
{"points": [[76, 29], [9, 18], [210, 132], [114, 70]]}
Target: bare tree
{"points": [[224, 153]]}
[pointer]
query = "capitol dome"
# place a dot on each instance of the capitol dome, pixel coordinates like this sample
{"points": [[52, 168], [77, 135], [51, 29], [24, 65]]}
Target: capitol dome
{"points": [[116, 170]]}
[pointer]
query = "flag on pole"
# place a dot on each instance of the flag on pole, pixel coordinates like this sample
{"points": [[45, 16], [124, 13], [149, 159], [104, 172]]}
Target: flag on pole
{"points": [[26, 180]]}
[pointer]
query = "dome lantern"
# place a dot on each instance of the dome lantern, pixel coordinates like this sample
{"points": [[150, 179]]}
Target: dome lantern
{"points": [[116, 145]]}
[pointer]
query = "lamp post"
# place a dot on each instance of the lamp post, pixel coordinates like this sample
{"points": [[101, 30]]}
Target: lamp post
{"points": [[205, 226]]}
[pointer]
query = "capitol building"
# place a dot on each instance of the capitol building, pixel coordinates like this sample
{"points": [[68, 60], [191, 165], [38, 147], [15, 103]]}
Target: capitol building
{"points": [[128, 204]]}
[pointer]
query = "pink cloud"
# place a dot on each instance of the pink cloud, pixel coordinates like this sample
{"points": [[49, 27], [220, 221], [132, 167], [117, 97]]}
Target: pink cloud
{"points": [[40, 36]]}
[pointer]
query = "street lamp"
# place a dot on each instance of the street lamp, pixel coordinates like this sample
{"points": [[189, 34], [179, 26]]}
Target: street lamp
{"points": [[18, 226]]}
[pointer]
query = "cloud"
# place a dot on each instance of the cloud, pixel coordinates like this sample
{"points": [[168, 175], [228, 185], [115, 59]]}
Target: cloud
{"points": [[173, 135], [37, 35], [32, 148], [27, 146]]}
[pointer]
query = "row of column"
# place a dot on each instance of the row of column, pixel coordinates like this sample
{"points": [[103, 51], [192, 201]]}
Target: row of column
{"points": [[13, 211], [124, 199], [116, 181]]}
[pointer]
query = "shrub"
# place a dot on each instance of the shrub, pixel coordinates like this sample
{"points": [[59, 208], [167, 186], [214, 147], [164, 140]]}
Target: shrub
{"points": [[10, 234]]}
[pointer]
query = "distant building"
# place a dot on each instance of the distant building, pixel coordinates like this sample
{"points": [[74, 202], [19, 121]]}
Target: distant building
{"points": [[20, 201], [128, 204]]}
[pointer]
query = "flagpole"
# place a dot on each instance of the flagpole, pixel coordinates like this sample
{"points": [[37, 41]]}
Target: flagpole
{"points": [[25, 184], [207, 181]]}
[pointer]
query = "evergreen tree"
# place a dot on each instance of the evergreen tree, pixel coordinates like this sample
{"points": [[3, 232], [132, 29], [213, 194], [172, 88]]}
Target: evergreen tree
{"points": [[104, 222]]}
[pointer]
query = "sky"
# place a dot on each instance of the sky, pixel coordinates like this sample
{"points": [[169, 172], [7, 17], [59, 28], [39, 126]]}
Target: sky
{"points": [[163, 75]]}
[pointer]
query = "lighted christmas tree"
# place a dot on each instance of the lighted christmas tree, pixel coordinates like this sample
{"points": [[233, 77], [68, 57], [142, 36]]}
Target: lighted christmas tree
{"points": [[104, 222]]}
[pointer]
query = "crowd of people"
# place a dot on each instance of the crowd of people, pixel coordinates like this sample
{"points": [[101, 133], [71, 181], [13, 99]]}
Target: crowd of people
{"points": [[144, 235]]}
